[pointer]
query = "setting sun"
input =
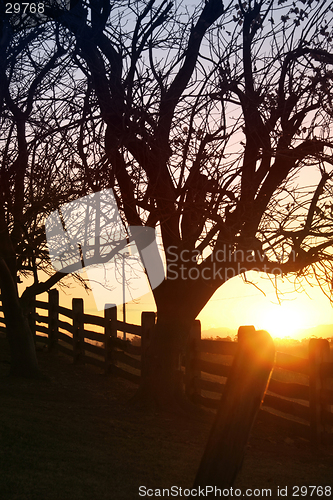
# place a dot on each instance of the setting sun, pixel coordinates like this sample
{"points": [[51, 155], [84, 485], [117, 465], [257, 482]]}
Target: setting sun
{"points": [[283, 320]]}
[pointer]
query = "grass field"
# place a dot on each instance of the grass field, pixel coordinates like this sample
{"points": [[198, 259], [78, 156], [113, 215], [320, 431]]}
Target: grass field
{"points": [[76, 436]]}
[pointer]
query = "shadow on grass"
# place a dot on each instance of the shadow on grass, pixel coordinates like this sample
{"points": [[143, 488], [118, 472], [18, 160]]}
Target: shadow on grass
{"points": [[74, 437]]}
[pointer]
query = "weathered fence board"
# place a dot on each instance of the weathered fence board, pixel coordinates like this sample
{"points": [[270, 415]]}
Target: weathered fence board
{"points": [[90, 319], [65, 338], [128, 360], [225, 348], [94, 361], [204, 401], [286, 406], [292, 427], [94, 349], [209, 385], [289, 390], [119, 343], [127, 375], [39, 318], [64, 311], [42, 329], [65, 326], [91, 335], [210, 367], [132, 329], [135, 350], [292, 363], [41, 305]]}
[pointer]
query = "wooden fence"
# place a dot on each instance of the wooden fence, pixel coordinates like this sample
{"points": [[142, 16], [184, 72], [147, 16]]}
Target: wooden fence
{"points": [[72, 332], [307, 406]]}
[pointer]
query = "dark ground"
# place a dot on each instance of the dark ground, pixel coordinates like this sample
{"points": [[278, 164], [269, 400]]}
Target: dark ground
{"points": [[76, 437]]}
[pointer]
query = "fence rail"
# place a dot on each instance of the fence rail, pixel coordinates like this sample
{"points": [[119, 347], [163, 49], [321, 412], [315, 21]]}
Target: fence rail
{"points": [[310, 404]]}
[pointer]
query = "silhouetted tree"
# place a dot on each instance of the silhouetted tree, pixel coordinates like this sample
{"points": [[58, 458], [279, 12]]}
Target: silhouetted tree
{"points": [[202, 120], [209, 118], [37, 173]]}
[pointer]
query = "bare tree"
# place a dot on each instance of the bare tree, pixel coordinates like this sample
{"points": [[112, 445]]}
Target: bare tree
{"points": [[209, 118], [202, 120], [37, 168]]}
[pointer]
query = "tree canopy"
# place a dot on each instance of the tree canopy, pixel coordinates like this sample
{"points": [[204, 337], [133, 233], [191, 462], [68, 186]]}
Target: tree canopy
{"points": [[212, 123], [206, 120]]}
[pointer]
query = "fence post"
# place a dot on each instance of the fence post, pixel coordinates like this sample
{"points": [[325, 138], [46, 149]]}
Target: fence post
{"points": [[78, 333], [147, 331], [110, 331], [53, 319], [192, 373], [240, 402], [319, 352]]}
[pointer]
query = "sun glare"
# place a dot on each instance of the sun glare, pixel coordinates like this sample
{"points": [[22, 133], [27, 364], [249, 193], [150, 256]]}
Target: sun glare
{"points": [[283, 321]]}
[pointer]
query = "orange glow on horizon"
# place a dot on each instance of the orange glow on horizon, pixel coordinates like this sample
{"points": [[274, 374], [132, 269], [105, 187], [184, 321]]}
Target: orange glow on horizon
{"points": [[236, 303], [284, 320]]}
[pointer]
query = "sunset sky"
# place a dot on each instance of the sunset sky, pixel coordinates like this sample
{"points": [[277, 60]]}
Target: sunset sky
{"points": [[236, 303]]}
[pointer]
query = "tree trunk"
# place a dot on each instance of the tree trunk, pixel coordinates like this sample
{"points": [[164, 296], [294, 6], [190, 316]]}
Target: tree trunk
{"points": [[178, 303], [161, 381], [21, 343]]}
